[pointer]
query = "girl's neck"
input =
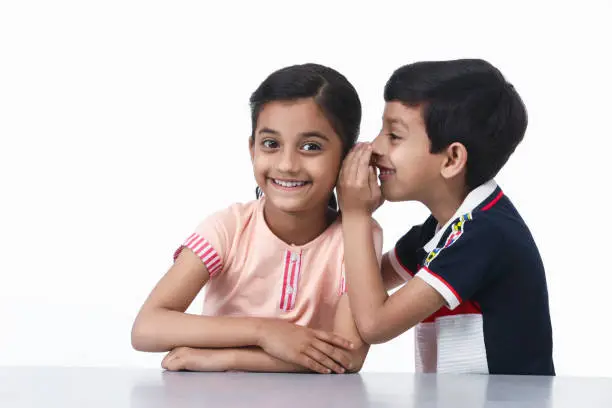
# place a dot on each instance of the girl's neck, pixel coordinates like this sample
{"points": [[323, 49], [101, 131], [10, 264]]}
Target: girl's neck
{"points": [[298, 228]]}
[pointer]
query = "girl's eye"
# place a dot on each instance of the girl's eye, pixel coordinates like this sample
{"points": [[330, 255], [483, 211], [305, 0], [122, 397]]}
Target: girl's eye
{"points": [[269, 143], [311, 146]]}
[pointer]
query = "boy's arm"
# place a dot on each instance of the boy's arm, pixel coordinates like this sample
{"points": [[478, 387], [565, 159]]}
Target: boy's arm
{"points": [[466, 262], [391, 279], [380, 317], [345, 326]]}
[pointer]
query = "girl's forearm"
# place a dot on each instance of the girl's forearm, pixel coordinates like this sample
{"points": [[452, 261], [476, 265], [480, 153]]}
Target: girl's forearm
{"points": [[161, 330], [251, 359], [256, 360]]}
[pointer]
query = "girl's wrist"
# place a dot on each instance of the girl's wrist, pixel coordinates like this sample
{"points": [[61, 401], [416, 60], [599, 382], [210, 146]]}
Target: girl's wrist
{"points": [[231, 359], [260, 327]]}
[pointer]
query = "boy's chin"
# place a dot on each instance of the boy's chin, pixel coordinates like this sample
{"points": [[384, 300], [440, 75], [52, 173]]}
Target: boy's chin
{"points": [[394, 196], [391, 199], [390, 195]]}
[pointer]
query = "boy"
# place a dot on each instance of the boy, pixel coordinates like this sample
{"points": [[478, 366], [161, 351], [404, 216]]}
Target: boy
{"points": [[476, 289]]}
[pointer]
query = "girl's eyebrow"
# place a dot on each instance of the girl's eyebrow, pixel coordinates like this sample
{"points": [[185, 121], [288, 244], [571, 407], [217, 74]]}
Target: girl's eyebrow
{"points": [[314, 134], [303, 135], [269, 131]]}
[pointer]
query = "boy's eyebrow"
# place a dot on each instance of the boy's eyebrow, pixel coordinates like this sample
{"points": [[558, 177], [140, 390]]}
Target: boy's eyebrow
{"points": [[398, 121]]}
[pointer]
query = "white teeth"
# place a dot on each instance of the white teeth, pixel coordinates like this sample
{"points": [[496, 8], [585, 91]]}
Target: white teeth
{"points": [[289, 183], [387, 172]]}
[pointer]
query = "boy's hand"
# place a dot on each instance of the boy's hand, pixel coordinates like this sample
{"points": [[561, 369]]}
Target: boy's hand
{"points": [[316, 350], [192, 359], [358, 190]]}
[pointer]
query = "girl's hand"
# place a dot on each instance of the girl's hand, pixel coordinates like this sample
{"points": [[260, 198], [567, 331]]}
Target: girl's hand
{"points": [[192, 359], [358, 189], [316, 350]]}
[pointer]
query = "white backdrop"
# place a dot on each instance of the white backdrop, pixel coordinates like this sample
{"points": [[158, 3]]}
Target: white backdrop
{"points": [[124, 123]]}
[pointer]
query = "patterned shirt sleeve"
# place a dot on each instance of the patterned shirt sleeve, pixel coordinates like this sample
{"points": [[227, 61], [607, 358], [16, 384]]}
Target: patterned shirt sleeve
{"points": [[212, 239]]}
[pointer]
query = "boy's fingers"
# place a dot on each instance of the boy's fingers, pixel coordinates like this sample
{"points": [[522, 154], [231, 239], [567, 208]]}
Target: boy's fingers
{"points": [[345, 171], [351, 167], [354, 164], [363, 165], [372, 179]]}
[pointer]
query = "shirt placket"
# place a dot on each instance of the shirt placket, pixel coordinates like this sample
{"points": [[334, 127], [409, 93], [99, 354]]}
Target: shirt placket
{"points": [[290, 279]]}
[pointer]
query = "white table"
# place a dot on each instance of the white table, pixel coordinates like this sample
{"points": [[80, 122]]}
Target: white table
{"points": [[149, 388]]}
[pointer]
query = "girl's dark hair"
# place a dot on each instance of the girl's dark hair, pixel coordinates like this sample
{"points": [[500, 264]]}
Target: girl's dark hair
{"points": [[330, 90]]}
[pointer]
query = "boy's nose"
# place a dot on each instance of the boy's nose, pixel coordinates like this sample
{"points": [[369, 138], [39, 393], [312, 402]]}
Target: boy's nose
{"points": [[377, 146]]}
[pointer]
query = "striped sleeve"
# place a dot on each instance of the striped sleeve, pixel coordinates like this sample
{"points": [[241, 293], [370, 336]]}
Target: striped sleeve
{"points": [[205, 251], [211, 240]]}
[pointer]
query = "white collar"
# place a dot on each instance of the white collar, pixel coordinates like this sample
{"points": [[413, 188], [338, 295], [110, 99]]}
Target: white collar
{"points": [[473, 200]]}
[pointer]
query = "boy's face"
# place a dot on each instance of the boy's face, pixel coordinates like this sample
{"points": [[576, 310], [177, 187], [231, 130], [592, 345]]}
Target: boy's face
{"points": [[408, 171]]}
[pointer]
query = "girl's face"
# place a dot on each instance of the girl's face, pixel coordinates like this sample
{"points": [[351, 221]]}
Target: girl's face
{"points": [[296, 155]]}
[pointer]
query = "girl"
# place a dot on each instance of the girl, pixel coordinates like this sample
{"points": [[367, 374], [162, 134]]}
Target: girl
{"points": [[273, 266]]}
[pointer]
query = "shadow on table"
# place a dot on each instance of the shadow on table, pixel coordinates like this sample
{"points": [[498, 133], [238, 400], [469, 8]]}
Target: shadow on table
{"points": [[478, 391], [386, 390]]}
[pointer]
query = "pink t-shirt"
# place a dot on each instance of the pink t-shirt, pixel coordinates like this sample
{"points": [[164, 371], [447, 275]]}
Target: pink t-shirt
{"points": [[254, 273]]}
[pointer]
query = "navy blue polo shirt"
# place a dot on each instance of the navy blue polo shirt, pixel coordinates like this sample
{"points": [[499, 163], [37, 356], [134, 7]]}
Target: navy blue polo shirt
{"points": [[486, 265]]}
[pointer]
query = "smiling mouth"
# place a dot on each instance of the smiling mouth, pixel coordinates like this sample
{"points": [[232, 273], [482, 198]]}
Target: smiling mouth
{"points": [[385, 173], [289, 184], [385, 170]]}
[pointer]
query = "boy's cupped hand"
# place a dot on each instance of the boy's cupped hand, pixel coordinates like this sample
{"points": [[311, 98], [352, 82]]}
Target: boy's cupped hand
{"points": [[358, 189]]}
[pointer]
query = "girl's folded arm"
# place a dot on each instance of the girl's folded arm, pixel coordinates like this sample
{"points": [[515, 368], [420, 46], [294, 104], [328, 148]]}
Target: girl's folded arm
{"points": [[162, 324], [255, 359]]}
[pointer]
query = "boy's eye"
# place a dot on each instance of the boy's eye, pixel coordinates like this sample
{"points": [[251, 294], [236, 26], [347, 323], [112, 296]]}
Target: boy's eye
{"points": [[311, 146], [269, 143], [393, 136]]}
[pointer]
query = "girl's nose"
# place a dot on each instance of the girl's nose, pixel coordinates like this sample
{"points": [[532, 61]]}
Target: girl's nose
{"points": [[288, 161]]}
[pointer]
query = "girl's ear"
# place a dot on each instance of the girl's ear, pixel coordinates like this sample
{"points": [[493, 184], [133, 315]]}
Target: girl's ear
{"points": [[455, 160], [251, 148]]}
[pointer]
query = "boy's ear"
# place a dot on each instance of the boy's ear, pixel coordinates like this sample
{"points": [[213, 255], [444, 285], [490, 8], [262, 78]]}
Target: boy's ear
{"points": [[455, 160], [251, 148]]}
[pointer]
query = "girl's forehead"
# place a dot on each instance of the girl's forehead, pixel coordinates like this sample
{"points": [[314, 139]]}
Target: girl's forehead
{"points": [[301, 117]]}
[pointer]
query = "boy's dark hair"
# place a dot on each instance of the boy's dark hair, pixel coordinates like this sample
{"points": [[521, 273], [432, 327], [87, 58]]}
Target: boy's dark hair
{"points": [[331, 91], [466, 101]]}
